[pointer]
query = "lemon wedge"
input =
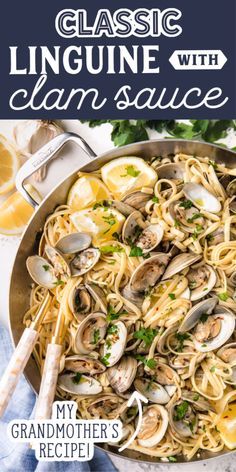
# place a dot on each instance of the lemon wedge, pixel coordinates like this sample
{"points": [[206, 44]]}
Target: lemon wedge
{"points": [[227, 426], [86, 191], [15, 212], [9, 165], [127, 174], [100, 223]]}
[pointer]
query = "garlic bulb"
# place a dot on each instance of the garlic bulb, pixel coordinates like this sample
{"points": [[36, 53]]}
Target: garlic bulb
{"points": [[31, 135]]}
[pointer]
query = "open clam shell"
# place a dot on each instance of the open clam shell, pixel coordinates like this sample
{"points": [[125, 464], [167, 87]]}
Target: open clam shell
{"points": [[228, 355], [132, 227], [148, 272], [150, 238], [79, 300], [115, 343], [221, 329], [201, 198], [184, 216], [183, 419], [137, 200], [84, 365], [77, 384], [200, 403], [98, 295], [231, 188], [134, 297], [60, 264], [180, 263], [205, 307], [73, 243], [122, 375], [90, 333], [153, 391], [202, 280], [41, 272], [153, 427], [171, 171], [84, 261], [163, 373]]}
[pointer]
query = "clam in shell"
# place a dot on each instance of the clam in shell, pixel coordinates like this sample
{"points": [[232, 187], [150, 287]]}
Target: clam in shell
{"points": [[90, 333], [201, 198], [148, 272], [84, 365], [84, 261], [115, 343], [122, 375], [73, 243], [41, 272], [60, 264], [77, 384], [202, 279], [228, 355], [153, 427], [153, 391], [180, 263], [183, 419]]}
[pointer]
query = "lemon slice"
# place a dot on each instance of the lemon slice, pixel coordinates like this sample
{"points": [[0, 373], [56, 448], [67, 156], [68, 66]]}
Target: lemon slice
{"points": [[9, 165], [15, 212], [86, 191], [127, 174], [100, 223], [227, 426]]}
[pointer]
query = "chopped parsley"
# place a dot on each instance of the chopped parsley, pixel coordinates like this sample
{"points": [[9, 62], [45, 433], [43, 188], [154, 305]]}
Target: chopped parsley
{"points": [[136, 252], [130, 170], [186, 204], [172, 459], [46, 267], [105, 359], [209, 237], [177, 223], [59, 282], [212, 369], [76, 378], [155, 199], [113, 329], [132, 411], [110, 220], [105, 204], [110, 249], [96, 336], [181, 410], [150, 363], [146, 335], [181, 337], [116, 236], [111, 314], [204, 345], [204, 317], [194, 217], [223, 296], [196, 397], [172, 296]]}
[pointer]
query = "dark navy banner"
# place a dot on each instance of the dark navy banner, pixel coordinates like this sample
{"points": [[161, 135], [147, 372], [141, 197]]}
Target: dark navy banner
{"points": [[127, 59]]}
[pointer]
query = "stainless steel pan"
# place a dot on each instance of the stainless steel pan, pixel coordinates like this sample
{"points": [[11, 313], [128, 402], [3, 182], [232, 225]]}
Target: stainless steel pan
{"points": [[88, 162]]}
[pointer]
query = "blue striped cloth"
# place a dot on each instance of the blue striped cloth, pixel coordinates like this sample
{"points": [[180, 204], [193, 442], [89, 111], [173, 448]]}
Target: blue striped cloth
{"points": [[19, 457]]}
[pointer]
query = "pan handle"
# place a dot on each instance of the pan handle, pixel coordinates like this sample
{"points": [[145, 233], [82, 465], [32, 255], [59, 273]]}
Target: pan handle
{"points": [[43, 156]]}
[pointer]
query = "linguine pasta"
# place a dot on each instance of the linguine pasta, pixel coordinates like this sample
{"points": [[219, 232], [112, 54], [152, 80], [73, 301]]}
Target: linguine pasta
{"points": [[163, 324]]}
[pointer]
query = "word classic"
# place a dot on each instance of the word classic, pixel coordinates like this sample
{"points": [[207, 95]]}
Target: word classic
{"points": [[123, 23]]}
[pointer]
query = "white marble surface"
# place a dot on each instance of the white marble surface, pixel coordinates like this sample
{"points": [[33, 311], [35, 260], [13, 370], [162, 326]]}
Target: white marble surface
{"points": [[99, 140]]}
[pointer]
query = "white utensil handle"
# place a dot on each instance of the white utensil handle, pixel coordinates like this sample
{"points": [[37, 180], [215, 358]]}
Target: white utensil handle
{"points": [[16, 366], [48, 382], [43, 156]]}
